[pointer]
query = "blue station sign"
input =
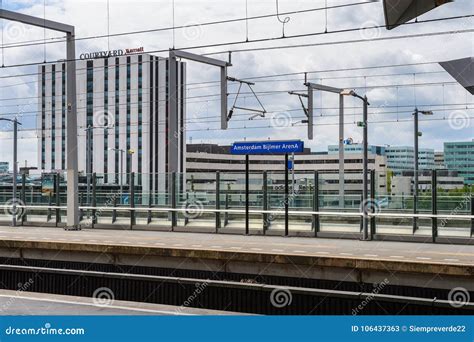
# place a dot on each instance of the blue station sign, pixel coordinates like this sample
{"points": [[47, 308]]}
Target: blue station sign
{"points": [[268, 147]]}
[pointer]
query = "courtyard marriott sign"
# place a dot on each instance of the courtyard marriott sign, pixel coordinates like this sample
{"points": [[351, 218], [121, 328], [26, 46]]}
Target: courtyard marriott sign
{"points": [[112, 53]]}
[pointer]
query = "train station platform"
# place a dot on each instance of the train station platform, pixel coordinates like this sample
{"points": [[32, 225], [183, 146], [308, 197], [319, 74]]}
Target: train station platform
{"points": [[19, 303], [441, 266]]}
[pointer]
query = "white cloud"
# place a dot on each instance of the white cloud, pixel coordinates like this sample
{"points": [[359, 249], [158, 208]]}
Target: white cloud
{"points": [[89, 18]]}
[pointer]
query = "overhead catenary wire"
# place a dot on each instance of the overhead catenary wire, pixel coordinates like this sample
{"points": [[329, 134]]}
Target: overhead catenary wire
{"points": [[261, 76], [202, 120], [362, 40], [260, 93], [270, 126], [260, 40], [209, 84], [327, 115], [353, 68], [55, 40]]}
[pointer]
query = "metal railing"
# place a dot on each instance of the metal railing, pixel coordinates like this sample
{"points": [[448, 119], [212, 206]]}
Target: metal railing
{"points": [[310, 210]]}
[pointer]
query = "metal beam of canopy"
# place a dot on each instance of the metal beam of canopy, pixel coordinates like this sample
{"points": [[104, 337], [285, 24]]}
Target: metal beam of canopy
{"points": [[173, 160], [311, 87], [71, 121], [398, 12], [462, 70]]}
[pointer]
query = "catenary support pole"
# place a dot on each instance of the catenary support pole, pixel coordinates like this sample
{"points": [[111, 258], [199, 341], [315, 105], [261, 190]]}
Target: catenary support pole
{"points": [[71, 123], [286, 196], [23, 198], [174, 217], [15, 170], [72, 221], [434, 204], [415, 172], [365, 232], [316, 222], [94, 199], [57, 192], [247, 195], [218, 200], [265, 201], [472, 214], [341, 151], [131, 186], [373, 202]]}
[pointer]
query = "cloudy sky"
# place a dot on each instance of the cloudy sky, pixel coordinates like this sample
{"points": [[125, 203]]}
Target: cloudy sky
{"points": [[393, 92]]}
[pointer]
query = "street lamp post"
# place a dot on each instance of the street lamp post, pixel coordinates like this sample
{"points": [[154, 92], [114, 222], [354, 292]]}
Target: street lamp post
{"points": [[130, 179], [417, 133], [89, 131], [129, 156], [309, 112], [365, 171], [15, 164], [121, 168], [293, 176], [88, 161]]}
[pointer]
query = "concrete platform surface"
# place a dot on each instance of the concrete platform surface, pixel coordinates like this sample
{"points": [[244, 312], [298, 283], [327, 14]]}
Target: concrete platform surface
{"points": [[275, 245], [31, 303]]}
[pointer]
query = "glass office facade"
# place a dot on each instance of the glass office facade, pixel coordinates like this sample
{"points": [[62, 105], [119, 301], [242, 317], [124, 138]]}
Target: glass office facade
{"points": [[459, 156]]}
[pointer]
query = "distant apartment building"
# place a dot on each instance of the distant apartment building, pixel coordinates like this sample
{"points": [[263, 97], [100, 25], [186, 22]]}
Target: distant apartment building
{"points": [[446, 180], [357, 148], [399, 158], [203, 160], [4, 167], [459, 156]]}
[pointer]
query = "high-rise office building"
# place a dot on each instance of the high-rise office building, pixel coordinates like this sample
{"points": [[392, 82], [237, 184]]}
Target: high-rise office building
{"points": [[3, 167], [128, 94], [402, 158], [459, 156]]}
